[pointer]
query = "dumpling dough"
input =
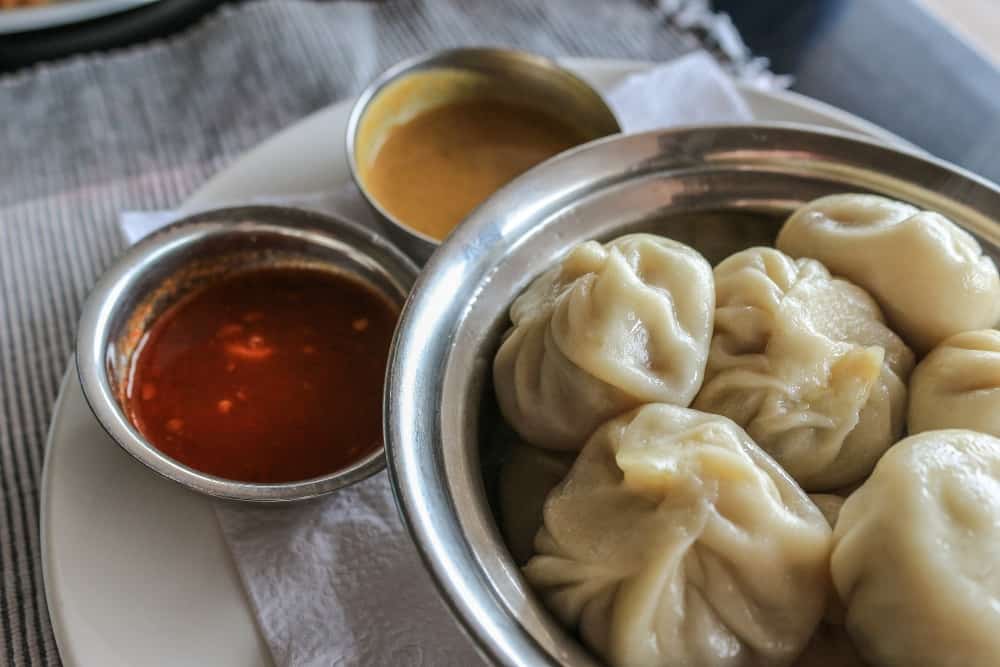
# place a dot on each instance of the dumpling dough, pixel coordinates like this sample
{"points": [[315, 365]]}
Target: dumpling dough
{"points": [[916, 553], [526, 477], [928, 274], [957, 385], [829, 504], [610, 328], [675, 540], [805, 363]]}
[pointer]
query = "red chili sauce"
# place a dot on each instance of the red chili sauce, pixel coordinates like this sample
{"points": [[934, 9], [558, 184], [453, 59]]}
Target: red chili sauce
{"points": [[273, 375]]}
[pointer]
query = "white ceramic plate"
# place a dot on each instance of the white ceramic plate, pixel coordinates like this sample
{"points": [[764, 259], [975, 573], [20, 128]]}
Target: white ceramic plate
{"points": [[26, 19], [136, 570]]}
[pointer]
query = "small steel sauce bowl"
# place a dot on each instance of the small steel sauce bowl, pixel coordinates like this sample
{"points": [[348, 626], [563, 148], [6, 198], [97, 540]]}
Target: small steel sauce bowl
{"points": [[441, 77], [165, 266]]}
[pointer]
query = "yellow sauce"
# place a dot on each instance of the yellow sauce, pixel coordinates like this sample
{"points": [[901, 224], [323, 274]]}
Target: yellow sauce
{"points": [[433, 170]]}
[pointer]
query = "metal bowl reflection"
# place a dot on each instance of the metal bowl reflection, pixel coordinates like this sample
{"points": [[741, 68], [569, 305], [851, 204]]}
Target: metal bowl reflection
{"points": [[718, 189], [442, 77], [164, 267]]}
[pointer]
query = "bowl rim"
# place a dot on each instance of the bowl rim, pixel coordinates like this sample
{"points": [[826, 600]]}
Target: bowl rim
{"points": [[94, 334], [445, 58], [413, 412]]}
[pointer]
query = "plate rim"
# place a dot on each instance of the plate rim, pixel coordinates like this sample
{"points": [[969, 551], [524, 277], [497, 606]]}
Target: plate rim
{"points": [[58, 629], [41, 17], [212, 193]]}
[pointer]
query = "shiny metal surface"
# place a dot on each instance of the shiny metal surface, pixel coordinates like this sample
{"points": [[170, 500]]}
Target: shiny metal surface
{"points": [[528, 78], [719, 189], [166, 265]]}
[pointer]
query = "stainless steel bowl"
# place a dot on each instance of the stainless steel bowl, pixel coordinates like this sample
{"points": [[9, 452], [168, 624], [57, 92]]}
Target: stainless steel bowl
{"points": [[162, 268], [505, 74], [719, 189]]}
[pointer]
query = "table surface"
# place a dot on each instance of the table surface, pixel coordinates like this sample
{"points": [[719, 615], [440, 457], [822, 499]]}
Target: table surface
{"points": [[978, 21], [891, 62]]}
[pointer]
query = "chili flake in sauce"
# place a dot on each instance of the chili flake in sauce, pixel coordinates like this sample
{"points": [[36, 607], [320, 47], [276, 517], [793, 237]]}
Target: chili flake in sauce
{"points": [[273, 375]]}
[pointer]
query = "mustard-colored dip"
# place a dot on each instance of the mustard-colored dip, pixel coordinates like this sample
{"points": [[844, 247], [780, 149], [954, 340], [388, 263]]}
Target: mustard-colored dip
{"points": [[432, 171]]}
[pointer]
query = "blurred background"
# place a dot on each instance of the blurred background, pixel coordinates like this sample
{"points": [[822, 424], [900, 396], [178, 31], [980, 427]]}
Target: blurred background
{"points": [[924, 69]]}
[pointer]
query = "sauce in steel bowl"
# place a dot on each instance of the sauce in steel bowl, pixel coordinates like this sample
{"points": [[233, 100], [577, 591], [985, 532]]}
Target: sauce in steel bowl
{"points": [[432, 171], [272, 375]]}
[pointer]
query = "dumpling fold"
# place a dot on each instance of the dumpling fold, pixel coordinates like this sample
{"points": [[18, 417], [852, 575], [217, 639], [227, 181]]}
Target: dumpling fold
{"points": [[929, 275], [611, 327], [957, 385], [806, 364], [916, 554], [675, 540]]}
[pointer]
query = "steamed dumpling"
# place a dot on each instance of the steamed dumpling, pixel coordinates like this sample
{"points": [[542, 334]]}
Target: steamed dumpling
{"points": [[675, 540], [957, 385], [804, 362], [929, 275], [916, 553], [610, 328], [526, 477]]}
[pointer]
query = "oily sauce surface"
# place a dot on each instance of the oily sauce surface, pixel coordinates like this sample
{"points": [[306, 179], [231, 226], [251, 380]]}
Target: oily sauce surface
{"points": [[273, 375], [434, 170]]}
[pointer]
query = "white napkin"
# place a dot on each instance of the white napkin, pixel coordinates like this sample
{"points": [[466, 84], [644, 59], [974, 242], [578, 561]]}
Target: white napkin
{"points": [[337, 581], [691, 90]]}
